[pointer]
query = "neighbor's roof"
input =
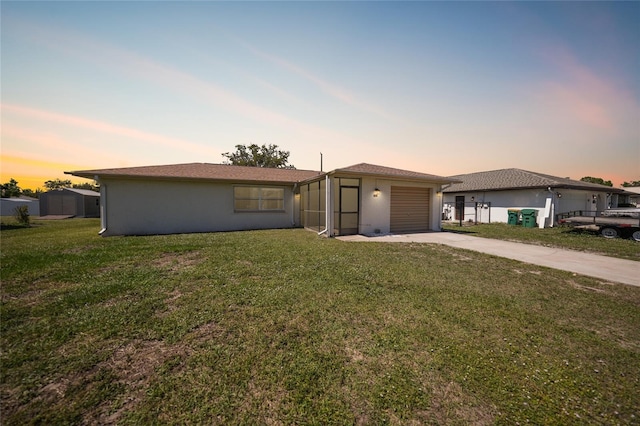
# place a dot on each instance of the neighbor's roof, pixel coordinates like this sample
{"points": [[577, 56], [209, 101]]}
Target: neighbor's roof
{"points": [[203, 171], [389, 172], [504, 179], [634, 189], [83, 191]]}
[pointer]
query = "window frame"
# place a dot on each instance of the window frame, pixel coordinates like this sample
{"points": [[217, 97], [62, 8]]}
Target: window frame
{"points": [[261, 199]]}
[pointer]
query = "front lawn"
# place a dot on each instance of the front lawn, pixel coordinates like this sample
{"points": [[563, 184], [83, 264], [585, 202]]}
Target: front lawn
{"points": [[285, 327], [559, 236]]}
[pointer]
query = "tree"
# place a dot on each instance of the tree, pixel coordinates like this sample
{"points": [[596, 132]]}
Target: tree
{"points": [[259, 156], [57, 184], [599, 181], [632, 183], [11, 189], [32, 193], [86, 185]]}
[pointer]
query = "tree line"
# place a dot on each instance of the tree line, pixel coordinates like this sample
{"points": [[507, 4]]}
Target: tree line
{"points": [[601, 181], [12, 189]]}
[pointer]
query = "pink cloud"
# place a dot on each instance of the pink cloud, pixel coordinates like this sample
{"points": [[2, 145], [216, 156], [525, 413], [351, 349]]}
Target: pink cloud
{"points": [[578, 91], [98, 126], [582, 108], [45, 141], [332, 90], [166, 77]]}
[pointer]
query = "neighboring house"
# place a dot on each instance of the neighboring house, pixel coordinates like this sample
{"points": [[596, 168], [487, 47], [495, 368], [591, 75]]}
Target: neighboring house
{"points": [[487, 196], [8, 205], [70, 202], [634, 195], [201, 197]]}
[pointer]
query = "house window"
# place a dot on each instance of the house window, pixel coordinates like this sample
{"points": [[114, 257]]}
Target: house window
{"points": [[252, 198]]}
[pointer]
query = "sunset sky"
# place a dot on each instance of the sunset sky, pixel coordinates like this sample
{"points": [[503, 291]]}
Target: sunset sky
{"points": [[436, 87]]}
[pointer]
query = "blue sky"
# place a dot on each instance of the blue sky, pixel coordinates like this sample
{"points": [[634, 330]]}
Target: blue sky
{"points": [[437, 87]]}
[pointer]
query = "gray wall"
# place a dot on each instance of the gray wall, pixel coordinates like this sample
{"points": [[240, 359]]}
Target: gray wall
{"points": [[145, 207], [63, 202], [8, 206]]}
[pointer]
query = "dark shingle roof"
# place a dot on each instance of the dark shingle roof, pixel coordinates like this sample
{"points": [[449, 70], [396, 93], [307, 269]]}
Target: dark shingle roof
{"points": [[204, 171], [375, 170], [518, 179]]}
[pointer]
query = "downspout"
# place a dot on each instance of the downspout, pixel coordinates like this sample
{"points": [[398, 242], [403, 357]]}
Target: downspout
{"points": [[326, 206], [552, 212], [103, 206]]}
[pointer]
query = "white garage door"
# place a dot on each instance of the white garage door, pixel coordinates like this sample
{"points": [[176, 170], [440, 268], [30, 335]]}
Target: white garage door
{"points": [[409, 209]]}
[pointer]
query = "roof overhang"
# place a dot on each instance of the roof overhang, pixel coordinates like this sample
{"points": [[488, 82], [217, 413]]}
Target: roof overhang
{"points": [[200, 172], [540, 187], [106, 177]]}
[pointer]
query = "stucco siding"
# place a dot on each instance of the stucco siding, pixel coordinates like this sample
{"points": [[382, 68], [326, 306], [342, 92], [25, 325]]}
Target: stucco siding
{"points": [[136, 207], [375, 212], [562, 200]]}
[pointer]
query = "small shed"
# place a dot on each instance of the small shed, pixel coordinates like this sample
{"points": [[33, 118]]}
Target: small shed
{"points": [[70, 202], [9, 205]]}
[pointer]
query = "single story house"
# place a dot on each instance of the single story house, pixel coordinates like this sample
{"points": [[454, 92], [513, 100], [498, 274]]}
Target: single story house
{"points": [[203, 197], [488, 196], [70, 202], [8, 205], [634, 195]]}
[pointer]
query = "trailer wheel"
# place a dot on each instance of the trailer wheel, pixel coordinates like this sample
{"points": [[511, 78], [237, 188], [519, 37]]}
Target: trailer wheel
{"points": [[609, 232], [636, 235]]}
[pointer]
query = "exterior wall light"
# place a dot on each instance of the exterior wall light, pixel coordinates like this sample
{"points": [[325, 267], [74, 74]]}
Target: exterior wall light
{"points": [[559, 195], [376, 192]]}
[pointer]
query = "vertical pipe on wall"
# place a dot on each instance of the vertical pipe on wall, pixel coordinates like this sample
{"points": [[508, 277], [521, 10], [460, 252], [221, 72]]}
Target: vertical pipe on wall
{"points": [[103, 207], [326, 207]]}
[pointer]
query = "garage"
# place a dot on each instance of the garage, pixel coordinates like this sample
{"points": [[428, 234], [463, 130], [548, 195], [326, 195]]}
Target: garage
{"points": [[409, 209]]}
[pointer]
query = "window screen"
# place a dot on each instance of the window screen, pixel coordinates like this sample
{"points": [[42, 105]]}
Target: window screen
{"points": [[250, 198]]}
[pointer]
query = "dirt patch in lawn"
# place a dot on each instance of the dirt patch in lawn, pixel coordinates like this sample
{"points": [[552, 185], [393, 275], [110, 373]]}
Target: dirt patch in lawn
{"points": [[451, 404], [132, 367], [177, 262]]}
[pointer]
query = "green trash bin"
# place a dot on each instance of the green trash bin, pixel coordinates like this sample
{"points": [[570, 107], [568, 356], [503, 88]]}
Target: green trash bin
{"points": [[529, 218], [514, 217]]}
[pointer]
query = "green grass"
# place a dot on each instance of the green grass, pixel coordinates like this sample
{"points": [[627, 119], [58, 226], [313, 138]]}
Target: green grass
{"points": [[560, 236], [285, 327]]}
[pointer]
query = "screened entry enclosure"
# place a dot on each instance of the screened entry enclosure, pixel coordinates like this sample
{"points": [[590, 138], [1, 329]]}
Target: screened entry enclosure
{"points": [[344, 203], [313, 205]]}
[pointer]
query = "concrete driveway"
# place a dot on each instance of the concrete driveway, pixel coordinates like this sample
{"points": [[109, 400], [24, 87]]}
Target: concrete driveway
{"points": [[593, 265]]}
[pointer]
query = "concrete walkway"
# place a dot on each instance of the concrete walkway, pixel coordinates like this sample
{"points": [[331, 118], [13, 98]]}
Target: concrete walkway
{"points": [[593, 265]]}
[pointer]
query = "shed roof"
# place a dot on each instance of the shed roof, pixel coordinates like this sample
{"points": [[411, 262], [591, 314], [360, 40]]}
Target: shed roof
{"points": [[83, 192], [504, 179], [390, 172], [204, 171]]}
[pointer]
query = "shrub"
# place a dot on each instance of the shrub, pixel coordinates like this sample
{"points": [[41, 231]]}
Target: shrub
{"points": [[21, 213]]}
